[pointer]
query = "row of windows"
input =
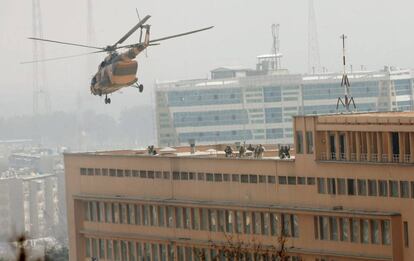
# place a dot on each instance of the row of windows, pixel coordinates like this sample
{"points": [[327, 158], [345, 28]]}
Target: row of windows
{"points": [[117, 250], [215, 220], [363, 187], [183, 175], [354, 230], [204, 97], [210, 118]]}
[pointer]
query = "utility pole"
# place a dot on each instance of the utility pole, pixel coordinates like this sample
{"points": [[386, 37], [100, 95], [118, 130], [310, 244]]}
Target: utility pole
{"points": [[41, 98], [348, 99]]}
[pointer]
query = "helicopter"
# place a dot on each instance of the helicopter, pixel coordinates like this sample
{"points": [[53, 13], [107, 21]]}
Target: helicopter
{"points": [[118, 70]]}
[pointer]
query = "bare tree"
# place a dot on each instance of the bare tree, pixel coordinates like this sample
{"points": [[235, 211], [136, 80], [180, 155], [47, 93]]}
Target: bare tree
{"points": [[235, 249]]}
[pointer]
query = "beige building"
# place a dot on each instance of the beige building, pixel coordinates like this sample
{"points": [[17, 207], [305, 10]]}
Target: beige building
{"points": [[348, 194]]}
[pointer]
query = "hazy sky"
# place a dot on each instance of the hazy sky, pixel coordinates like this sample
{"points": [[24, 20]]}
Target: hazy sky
{"points": [[379, 33]]}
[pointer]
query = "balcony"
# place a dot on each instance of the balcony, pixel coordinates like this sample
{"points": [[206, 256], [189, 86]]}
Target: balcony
{"points": [[363, 157]]}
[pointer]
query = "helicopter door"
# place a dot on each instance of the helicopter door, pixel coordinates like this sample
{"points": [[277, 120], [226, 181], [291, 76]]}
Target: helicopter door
{"points": [[124, 73]]}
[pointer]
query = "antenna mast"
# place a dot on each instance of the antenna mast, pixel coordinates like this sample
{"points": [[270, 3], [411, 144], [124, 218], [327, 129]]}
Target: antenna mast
{"points": [[348, 99], [40, 92], [276, 47], [314, 61]]}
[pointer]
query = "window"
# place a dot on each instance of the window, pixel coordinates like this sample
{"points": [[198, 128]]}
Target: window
{"points": [[209, 177], [88, 247], [299, 142], [196, 218], [200, 176], [362, 187], [187, 218], [291, 180], [235, 177], [109, 248], [158, 174], [179, 217], [372, 188], [286, 225], [355, 230], [262, 179], [406, 242], [212, 214], [341, 186], [375, 238], [127, 173], [98, 172], [166, 174], [119, 172], [383, 188], [176, 175], [244, 178], [344, 229], [170, 216], [323, 228], [258, 218], [385, 231], [150, 174], [310, 181], [412, 189], [229, 221], [393, 188], [204, 219], [138, 218], [112, 173], [321, 186], [301, 180], [274, 224], [226, 177], [104, 172], [282, 180], [253, 178], [239, 222], [102, 248], [83, 172], [271, 179], [365, 231], [351, 186], [331, 186], [309, 142], [218, 177], [404, 189], [247, 222], [333, 228]]}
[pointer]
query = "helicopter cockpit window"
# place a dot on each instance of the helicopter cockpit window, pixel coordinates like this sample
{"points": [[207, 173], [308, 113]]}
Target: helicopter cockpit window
{"points": [[93, 81]]}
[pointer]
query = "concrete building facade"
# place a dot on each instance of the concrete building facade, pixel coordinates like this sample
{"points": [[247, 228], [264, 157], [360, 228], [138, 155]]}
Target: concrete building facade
{"points": [[347, 194]]}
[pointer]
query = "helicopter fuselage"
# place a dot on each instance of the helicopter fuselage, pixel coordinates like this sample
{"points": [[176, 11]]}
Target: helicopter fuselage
{"points": [[117, 71]]}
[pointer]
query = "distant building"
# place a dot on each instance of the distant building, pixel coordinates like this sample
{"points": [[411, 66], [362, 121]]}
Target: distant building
{"points": [[346, 195], [257, 106]]}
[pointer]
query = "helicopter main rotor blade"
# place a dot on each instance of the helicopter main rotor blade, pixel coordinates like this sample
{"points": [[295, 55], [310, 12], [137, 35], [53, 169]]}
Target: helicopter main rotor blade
{"points": [[66, 43], [135, 45], [130, 32], [61, 57], [182, 34]]}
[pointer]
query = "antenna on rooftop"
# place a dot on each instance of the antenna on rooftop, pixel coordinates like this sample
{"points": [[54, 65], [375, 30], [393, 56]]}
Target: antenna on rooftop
{"points": [[348, 99], [276, 47]]}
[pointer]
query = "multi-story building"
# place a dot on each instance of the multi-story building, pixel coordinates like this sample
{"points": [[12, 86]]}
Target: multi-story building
{"points": [[32, 204], [347, 194], [257, 106]]}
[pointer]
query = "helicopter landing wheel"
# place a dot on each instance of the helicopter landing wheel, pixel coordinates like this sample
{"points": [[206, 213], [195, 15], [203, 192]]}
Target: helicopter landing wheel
{"points": [[107, 100], [141, 88]]}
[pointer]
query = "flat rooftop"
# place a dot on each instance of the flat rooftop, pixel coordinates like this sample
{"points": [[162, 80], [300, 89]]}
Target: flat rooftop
{"points": [[271, 151], [392, 117]]}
